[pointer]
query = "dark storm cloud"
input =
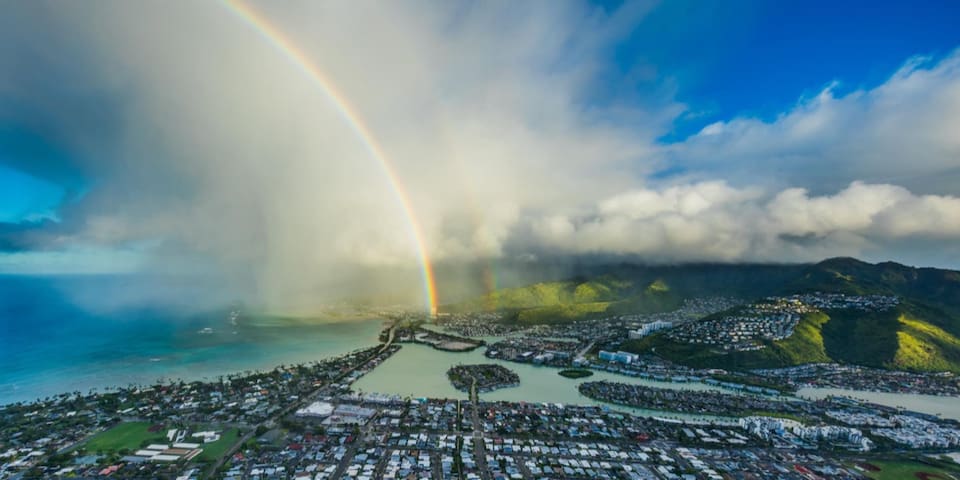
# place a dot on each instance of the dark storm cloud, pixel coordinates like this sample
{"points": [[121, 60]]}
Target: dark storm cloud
{"points": [[192, 134]]}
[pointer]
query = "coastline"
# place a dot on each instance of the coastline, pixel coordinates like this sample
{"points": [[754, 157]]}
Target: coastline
{"points": [[142, 354], [266, 345]]}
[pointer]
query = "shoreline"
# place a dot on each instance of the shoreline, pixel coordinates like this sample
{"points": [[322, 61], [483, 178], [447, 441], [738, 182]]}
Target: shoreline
{"points": [[277, 355], [259, 348]]}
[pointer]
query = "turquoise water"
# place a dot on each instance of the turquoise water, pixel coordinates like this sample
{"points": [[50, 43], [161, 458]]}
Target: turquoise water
{"points": [[421, 371], [49, 345], [148, 349]]}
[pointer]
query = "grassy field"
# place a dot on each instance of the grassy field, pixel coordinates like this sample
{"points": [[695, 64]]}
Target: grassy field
{"points": [[908, 469], [213, 451], [134, 435], [130, 435]]}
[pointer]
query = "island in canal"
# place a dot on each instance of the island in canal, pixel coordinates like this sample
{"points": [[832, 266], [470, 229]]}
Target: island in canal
{"points": [[575, 373], [413, 332], [488, 377]]}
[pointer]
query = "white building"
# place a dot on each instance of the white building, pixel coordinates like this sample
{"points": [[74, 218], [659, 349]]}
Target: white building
{"points": [[316, 409], [648, 328]]}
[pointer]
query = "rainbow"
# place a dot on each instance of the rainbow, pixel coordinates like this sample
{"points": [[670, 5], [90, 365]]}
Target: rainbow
{"points": [[299, 58]]}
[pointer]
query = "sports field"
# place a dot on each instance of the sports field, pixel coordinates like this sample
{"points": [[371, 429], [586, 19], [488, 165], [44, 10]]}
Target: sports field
{"points": [[906, 470], [134, 435], [213, 450], [129, 435]]}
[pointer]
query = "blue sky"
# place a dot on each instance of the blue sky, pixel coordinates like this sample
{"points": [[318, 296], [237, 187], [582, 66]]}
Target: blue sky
{"points": [[725, 59], [27, 198], [114, 137], [757, 58]]}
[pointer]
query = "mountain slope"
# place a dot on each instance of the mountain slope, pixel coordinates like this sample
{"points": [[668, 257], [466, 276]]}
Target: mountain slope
{"points": [[902, 338], [552, 302], [921, 333], [928, 286], [806, 345]]}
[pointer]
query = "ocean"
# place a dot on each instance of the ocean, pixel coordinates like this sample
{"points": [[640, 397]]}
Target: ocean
{"points": [[63, 334]]}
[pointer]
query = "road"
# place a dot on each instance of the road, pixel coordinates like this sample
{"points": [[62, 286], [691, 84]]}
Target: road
{"points": [[277, 416], [479, 446], [586, 350]]}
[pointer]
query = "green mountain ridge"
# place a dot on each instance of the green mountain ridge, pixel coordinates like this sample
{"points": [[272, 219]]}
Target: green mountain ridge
{"points": [[930, 286], [553, 302], [922, 333], [903, 338]]}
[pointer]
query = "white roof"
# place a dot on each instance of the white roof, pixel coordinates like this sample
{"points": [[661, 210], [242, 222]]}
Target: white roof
{"points": [[316, 409], [165, 458], [186, 445]]}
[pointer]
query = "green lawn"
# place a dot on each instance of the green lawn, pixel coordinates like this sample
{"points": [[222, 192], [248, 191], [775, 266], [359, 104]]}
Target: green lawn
{"points": [[213, 451], [907, 469], [130, 435], [134, 435]]}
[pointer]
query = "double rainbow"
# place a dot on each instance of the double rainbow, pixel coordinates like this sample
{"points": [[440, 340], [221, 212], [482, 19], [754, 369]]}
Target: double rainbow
{"points": [[303, 63]]}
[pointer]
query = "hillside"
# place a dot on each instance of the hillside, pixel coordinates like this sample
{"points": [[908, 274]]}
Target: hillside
{"points": [[927, 286], [806, 345], [903, 338], [628, 288], [922, 333], [552, 302]]}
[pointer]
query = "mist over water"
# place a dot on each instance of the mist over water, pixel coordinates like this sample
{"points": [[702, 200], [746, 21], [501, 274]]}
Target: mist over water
{"points": [[55, 337], [75, 332], [191, 143]]}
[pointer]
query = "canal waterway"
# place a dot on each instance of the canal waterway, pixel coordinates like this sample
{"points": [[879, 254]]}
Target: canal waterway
{"points": [[946, 407], [59, 353]]}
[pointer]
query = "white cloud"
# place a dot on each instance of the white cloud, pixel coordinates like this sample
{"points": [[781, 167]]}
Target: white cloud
{"points": [[686, 200], [221, 148], [713, 221], [903, 131], [227, 150]]}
